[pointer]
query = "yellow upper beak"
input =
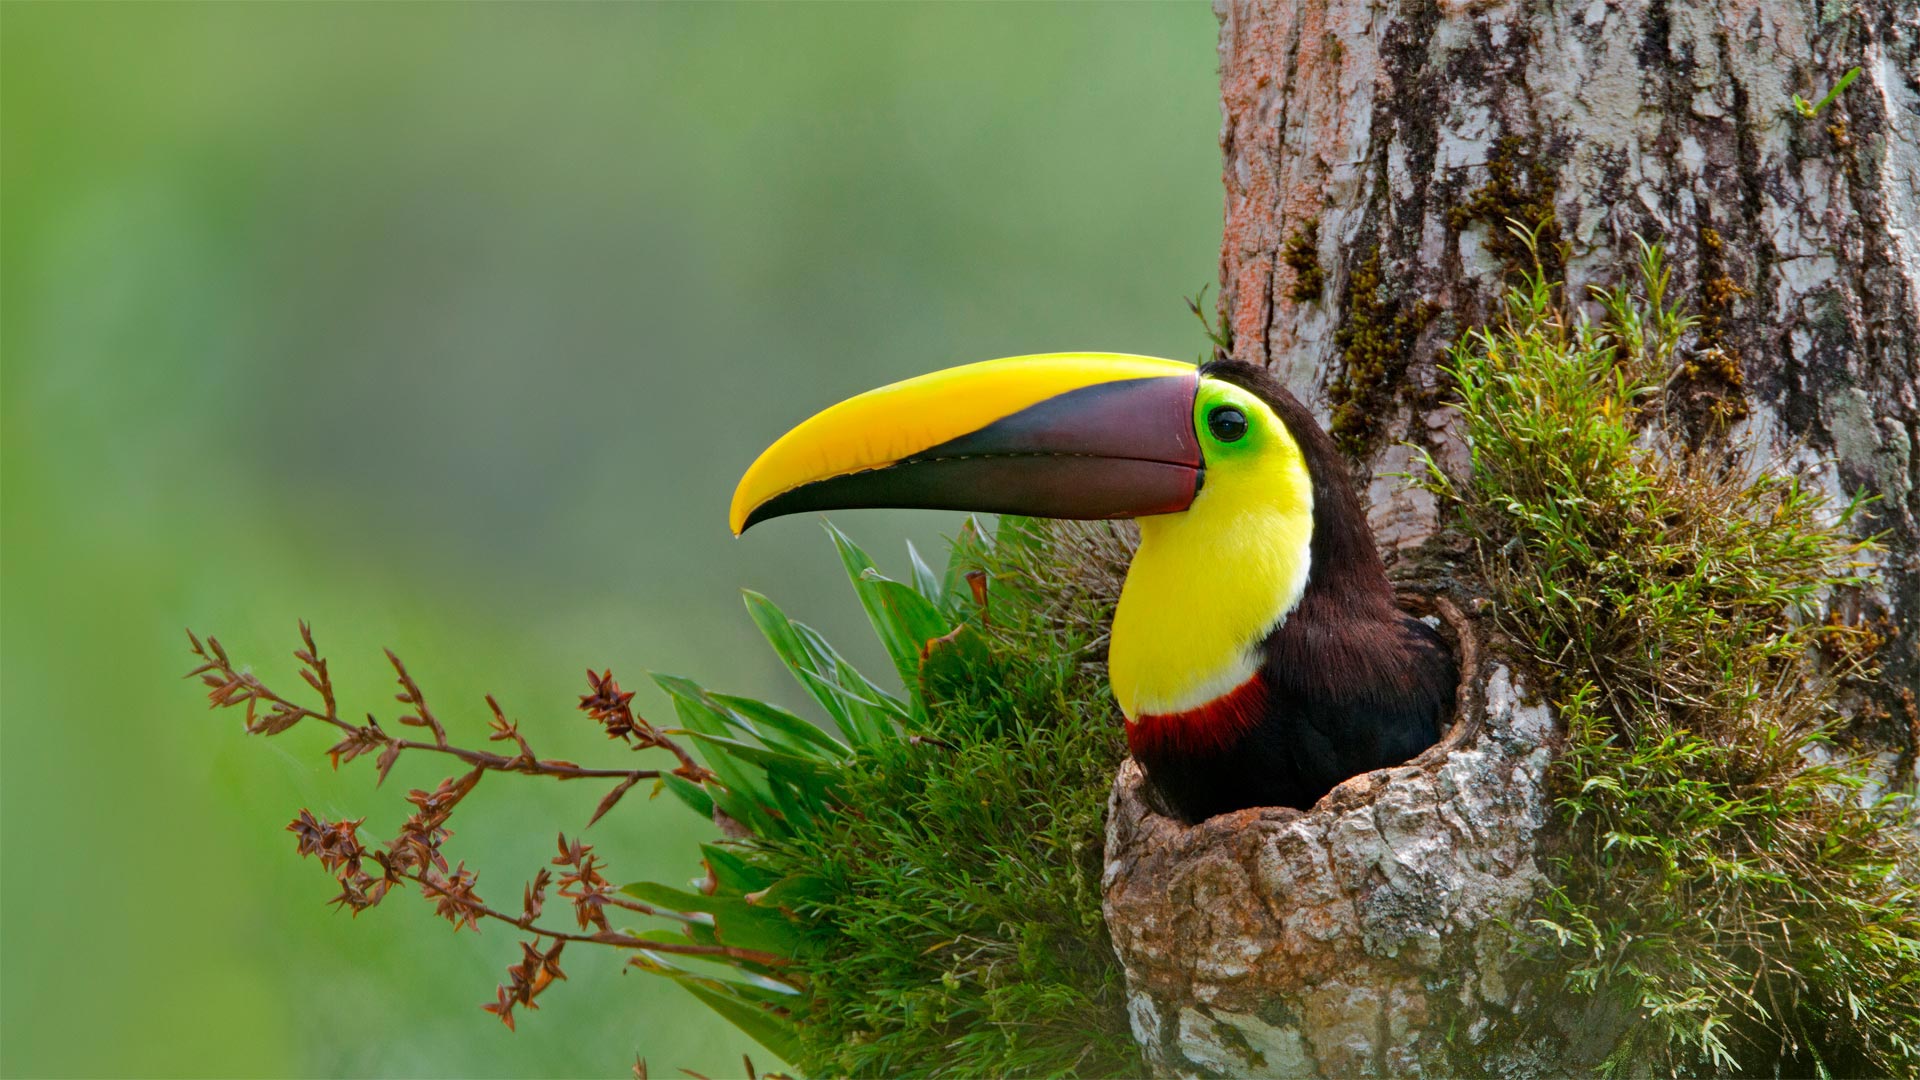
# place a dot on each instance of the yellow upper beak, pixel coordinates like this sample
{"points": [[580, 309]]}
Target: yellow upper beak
{"points": [[988, 436]]}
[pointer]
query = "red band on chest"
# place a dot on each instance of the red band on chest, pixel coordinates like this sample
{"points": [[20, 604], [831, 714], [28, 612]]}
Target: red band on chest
{"points": [[1209, 729]]}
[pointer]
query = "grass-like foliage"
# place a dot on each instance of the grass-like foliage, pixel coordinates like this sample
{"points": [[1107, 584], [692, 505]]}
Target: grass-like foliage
{"points": [[1718, 877], [932, 872]]}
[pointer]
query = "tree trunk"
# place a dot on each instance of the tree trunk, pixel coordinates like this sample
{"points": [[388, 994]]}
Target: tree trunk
{"points": [[1375, 153]]}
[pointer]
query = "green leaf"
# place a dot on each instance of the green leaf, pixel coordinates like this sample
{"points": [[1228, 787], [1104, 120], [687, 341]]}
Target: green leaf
{"points": [[735, 922], [734, 974], [778, 726], [910, 620], [666, 896], [795, 892], [836, 668], [763, 1025], [874, 711], [747, 1000], [694, 795], [783, 634], [797, 789], [735, 874], [802, 805], [792, 765], [817, 666], [924, 579], [903, 619], [748, 810], [702, 719]]}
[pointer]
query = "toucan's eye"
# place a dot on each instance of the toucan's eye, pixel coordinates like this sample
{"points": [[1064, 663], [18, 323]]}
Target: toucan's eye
{"points": [[1227, 423]]}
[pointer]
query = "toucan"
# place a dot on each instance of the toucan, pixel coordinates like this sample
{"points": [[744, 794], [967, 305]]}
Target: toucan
{"points": [[1257, 652]]}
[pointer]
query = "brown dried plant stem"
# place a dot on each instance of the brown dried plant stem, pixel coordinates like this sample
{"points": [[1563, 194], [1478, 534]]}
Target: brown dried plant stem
{"points": [[617, 939], [366, 874], [232, 687]]}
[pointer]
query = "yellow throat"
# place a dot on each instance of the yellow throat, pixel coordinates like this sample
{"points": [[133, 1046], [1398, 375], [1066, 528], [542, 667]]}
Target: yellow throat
{"points": [[1210, 583]]}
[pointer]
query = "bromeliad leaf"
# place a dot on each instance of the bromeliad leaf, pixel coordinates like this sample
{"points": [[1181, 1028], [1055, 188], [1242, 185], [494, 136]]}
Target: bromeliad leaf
{"points": [[924, 579], [849, 678], [734, 874], [735, 922], [795, 892], [694, 795], [760, 1021], [806, 666], [752, 813], [903, 619], [782, 771], [701, 719], [766, 989], [875, 713], [778, 727], [775, 762], [914, 621], [747, 1007]]}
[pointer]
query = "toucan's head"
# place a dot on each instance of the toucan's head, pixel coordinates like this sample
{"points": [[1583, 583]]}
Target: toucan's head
{"points": [[1247, 512], [1256, 599], [1065, 435]]}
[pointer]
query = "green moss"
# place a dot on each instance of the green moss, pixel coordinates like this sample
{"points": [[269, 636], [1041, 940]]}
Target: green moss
{"points": [[1708, 390], [934, 875], [1516, 199], [1301, 253], [963, 935], [1375, 338], [1714, 874]]}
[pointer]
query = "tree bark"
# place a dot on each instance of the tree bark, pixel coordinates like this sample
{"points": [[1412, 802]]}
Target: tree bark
{"points": [[1375, 152]]}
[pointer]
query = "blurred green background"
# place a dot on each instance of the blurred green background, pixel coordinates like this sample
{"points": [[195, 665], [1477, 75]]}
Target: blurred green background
{"points": [[449, 327]]}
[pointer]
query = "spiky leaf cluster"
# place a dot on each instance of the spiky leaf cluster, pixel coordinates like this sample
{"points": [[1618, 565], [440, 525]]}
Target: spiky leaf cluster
{"points": [[931, 866]]}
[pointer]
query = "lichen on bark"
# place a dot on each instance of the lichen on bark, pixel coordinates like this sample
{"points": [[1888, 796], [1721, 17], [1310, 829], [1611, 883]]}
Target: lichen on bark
{"points": [[1376, 338]]}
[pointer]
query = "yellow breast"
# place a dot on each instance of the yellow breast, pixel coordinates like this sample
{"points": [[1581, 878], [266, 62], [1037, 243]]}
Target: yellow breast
{"points": [[1211, 582]]}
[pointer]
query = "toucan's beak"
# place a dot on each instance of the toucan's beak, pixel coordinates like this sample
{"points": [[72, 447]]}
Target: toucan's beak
{"points": [[1067, 435]]}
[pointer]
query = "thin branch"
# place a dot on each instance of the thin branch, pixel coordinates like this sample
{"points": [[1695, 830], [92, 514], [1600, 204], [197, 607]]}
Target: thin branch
{"points": [[619, 939], [231, 687]]}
